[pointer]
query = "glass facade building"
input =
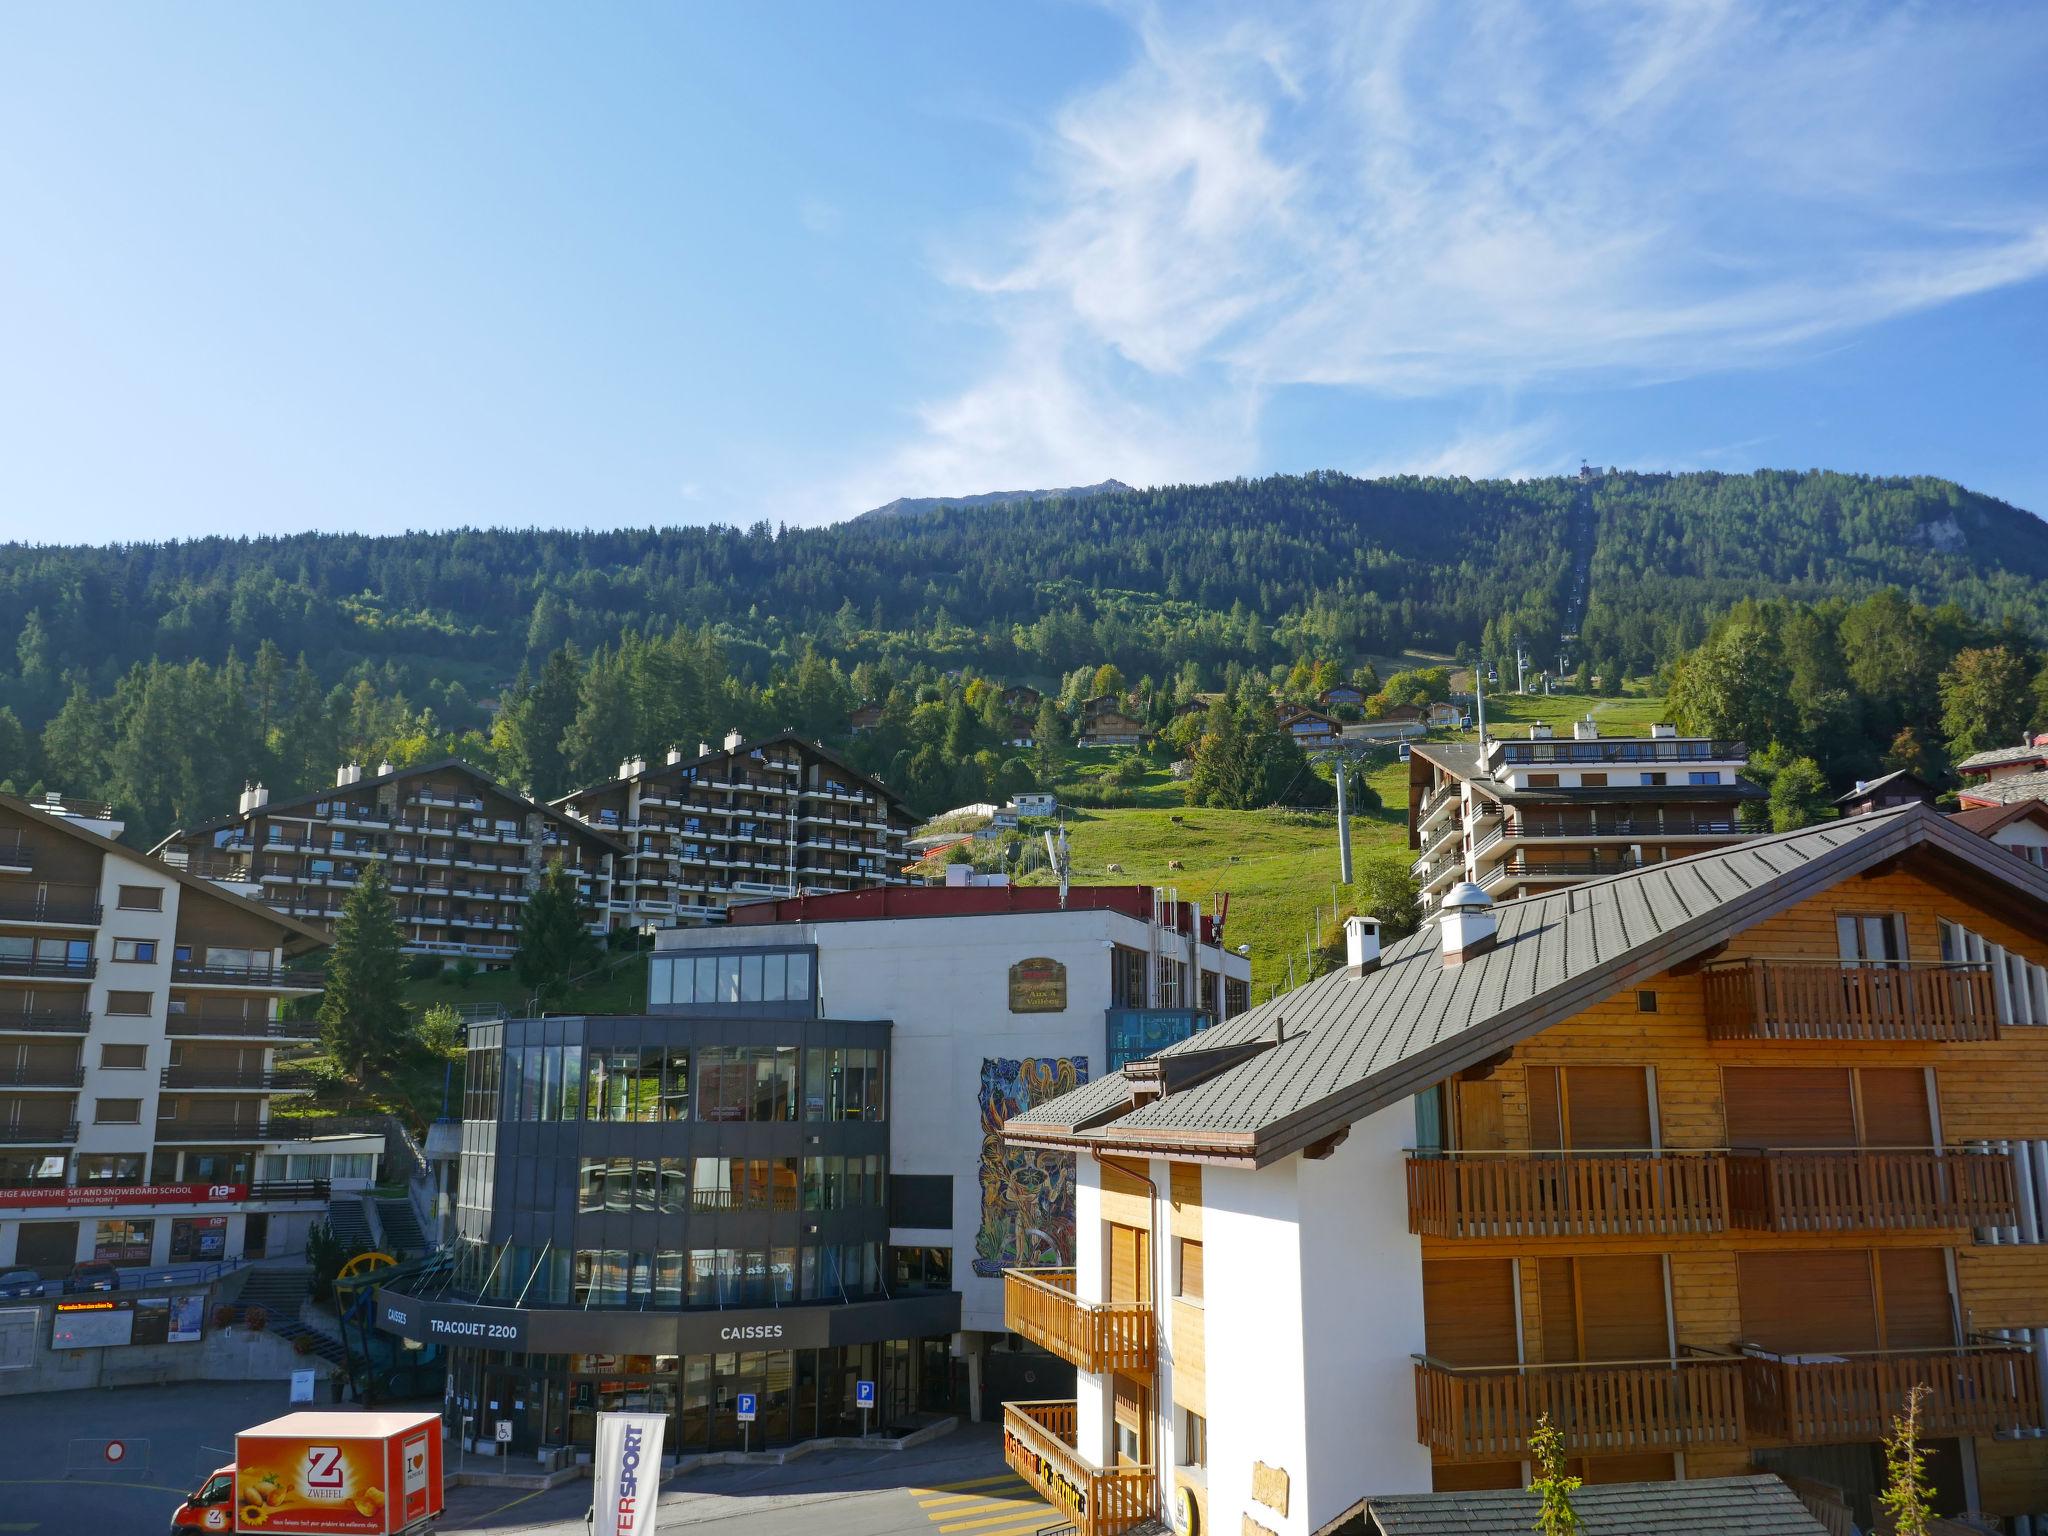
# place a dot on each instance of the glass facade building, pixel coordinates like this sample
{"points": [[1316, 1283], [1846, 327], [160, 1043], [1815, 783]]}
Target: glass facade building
{"points": [[662, 1211]]}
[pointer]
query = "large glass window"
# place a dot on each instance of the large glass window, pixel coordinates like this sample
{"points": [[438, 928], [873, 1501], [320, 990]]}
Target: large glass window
{"points": [[845, 1083], [711, 981], [747, 1082], [650, 1084]]}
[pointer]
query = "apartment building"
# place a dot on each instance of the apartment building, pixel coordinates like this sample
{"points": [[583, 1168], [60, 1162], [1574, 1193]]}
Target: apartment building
{"points": [[461, 852], [753, 820], [1711, 1161], [1522, 817], [139, 1024], [786, 1177]]}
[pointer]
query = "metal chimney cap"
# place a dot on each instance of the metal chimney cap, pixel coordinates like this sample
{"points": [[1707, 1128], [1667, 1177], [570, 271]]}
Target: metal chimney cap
{"points": [[1465, 897]]}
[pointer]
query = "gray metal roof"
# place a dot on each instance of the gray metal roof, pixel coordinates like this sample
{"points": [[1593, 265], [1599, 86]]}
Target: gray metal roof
{"points": [[2012, 788], [1349, 1045], [1462, 758], [1978, 761], [1754, 1506]]}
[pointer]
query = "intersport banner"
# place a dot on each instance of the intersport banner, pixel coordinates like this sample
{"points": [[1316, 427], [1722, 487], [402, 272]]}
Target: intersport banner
{"points": [[626, 1466]]}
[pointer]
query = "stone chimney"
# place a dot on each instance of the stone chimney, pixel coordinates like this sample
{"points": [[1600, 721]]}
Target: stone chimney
{"points": [[347, 774], [242, 803], [258, 797], [1468, 927], [1361, 944], [675, 755], [1663, 733], [703, 749], [1539, 732], [384, 769], [732, 740], [1585, 730]]}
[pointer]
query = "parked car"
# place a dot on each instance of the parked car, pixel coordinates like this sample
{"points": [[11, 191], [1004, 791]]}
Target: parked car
{"points": [[92, 1276], [17, 1283]]}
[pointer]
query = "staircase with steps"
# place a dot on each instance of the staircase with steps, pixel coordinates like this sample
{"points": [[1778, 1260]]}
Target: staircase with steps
{"points": [[281, 1293], [350, 1223], [401, 1226]]}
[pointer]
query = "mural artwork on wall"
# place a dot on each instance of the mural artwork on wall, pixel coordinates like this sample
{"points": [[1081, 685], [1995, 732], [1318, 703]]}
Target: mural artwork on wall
{"points": [[1027, 1196]]}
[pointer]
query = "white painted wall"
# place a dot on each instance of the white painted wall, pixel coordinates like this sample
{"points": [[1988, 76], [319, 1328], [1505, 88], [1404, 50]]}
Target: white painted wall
{"points": [[1256, 1389], [120, 976], [1362, 1320], [1313, 1308]]}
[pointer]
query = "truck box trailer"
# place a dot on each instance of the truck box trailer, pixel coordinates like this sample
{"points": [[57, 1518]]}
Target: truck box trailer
{"points": [[325, 1474]]}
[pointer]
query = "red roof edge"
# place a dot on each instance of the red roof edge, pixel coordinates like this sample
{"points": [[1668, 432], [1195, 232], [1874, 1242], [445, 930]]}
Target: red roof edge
{"points": [[875, 903]]}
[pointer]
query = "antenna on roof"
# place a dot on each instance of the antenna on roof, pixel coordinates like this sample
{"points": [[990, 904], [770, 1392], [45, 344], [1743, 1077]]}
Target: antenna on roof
{"points": [[1057, 853]]}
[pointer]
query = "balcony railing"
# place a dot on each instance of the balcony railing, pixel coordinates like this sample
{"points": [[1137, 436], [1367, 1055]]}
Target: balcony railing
{"points": [[1836, 1000], [1561, 869], [272, 976], [38, 1133], [282, 1128], [17, 852], [1871, 1189], [1486, 1413], [26, 1076], [235, 1027], [1648, 827], [1094, 1336], [1643, 1193], [1979, 1389], [66, 1021], [217, 1077], [1524, 753], [1566, 1194], [76, 909], [1038, 1443], [49, 969]]}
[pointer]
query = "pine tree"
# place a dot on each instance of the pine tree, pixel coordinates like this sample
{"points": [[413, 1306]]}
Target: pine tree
{"points": [[1049, 745], [555, 941], [362, 1013]]}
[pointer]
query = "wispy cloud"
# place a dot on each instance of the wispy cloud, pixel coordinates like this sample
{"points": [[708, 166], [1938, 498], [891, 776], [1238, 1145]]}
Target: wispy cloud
{"points": [[1413, 200]]}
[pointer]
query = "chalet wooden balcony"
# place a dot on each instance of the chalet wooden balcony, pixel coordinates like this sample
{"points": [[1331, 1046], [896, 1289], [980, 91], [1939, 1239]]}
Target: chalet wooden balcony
{"points": [[1566, 1194], [1980, 1389], [1038, 1443], [1487, 1413], [1833, 1000], [1093, 1336], [1872, 1189]]}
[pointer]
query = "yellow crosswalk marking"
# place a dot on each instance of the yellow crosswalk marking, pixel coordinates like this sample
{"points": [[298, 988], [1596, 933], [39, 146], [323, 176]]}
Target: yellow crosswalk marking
{"points": [[1014, 1520], [985, 1506], [976, 1482], [1016, 1485], [963, 1518]]}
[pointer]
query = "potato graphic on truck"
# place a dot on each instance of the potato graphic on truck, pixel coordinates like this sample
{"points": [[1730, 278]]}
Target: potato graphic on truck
{"points": [[325, 1474]]}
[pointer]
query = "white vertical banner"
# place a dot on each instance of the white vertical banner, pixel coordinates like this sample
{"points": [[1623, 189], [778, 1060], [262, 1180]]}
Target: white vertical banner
{"points": [[626, 1467]]}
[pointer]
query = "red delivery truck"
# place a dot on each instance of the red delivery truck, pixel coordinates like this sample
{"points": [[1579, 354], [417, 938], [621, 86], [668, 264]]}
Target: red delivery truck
{"points": [[325, 1474]]}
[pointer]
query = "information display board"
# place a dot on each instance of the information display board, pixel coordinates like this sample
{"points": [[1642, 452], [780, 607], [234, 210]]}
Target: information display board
{"points": [[105, 1323]]}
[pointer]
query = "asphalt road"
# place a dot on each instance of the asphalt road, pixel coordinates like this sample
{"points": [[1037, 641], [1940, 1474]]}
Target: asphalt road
{"points": [[54, 1480]]}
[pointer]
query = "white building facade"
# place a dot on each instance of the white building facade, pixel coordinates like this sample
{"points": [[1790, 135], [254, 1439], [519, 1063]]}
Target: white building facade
{"points": [[998, 999]]}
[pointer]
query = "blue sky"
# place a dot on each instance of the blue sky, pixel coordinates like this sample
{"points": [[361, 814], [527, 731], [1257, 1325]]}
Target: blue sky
{"points": [[373, 266]]}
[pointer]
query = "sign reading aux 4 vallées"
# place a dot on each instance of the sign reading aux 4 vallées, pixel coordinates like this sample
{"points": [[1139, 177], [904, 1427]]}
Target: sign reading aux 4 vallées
{"points": [[626, 1472], [1038, 985]]}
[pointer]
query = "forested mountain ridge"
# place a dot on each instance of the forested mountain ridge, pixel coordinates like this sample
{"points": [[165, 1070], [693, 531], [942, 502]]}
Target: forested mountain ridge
{"points": [[1350, 564], [911, 506]]}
